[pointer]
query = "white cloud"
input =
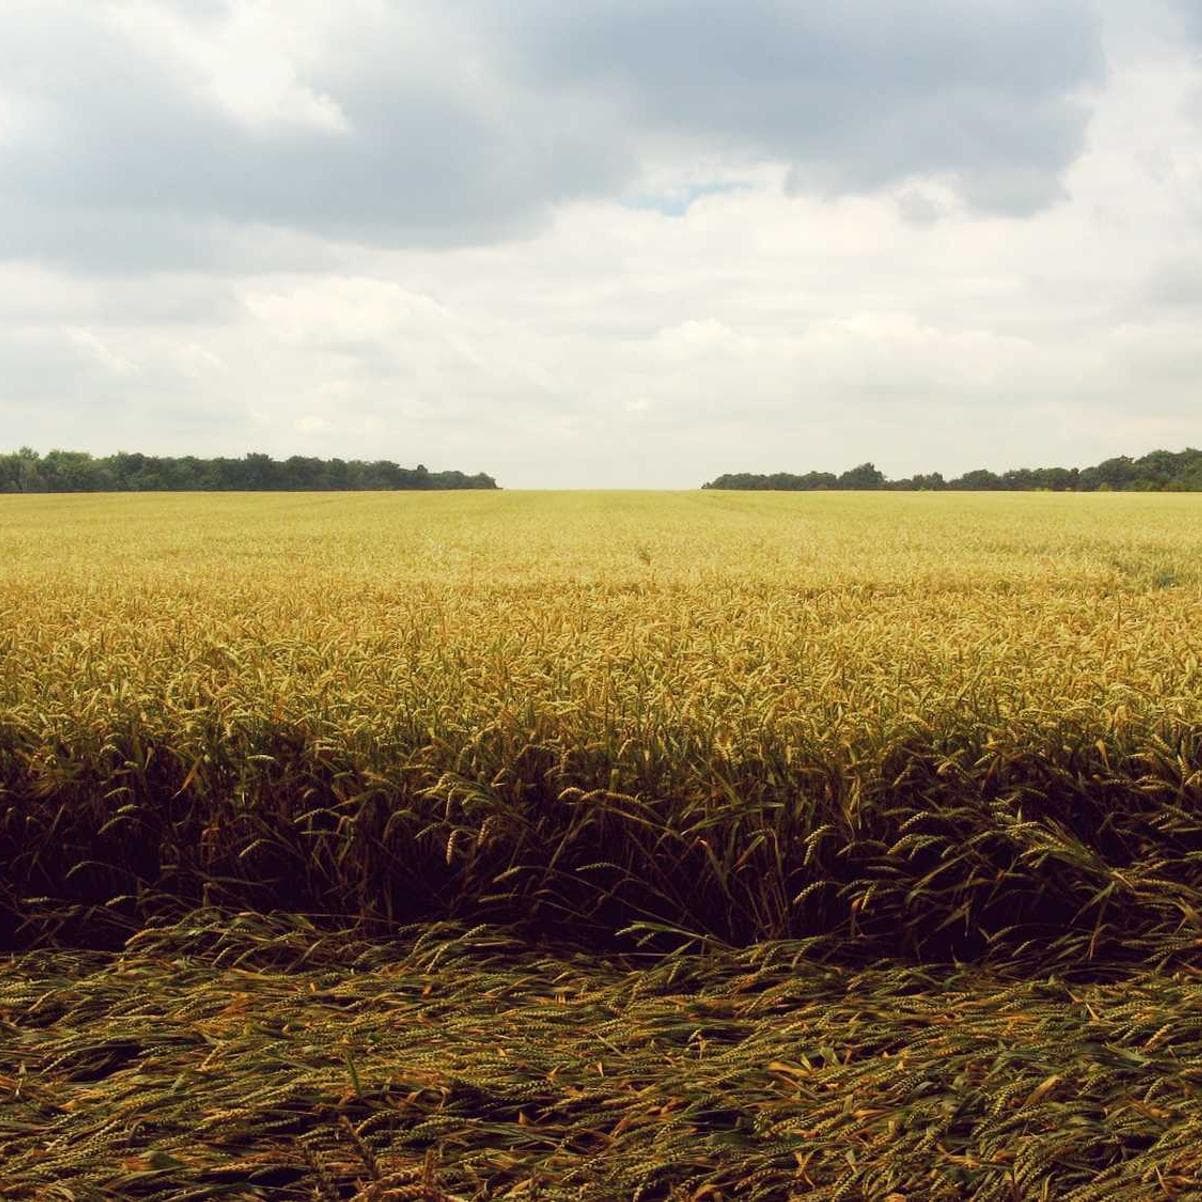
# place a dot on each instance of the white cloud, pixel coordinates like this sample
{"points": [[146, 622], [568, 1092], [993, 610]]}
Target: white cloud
{"points": [[937, 244], [251, 64]]}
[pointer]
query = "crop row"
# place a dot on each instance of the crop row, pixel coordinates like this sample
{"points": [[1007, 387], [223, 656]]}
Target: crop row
{"points": [[940, 773]]}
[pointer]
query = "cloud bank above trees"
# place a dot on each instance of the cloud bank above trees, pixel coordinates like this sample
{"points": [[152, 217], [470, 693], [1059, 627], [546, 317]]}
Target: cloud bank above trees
{"points": [[609, 234]]}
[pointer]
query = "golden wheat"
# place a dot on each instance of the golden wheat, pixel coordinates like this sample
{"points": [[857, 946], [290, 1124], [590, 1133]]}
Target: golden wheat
{"points": [[744, 717], [784, 760]]}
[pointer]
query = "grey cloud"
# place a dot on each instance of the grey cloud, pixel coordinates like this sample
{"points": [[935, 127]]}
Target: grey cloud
{"points": [[40, 367], [1176, 284], [853, 96], [102, 240], [68, 387], [1191, 16], [422, 162], [126, 164]]}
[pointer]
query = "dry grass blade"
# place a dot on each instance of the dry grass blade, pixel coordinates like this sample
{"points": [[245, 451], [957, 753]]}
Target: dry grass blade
{"points": [[488, 1070]]}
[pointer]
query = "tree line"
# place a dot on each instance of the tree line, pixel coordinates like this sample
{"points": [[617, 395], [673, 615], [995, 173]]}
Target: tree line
{"points": [[1158, 471], [77, 471]]}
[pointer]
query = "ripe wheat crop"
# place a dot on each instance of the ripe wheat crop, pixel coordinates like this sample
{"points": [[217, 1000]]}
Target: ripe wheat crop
{"points": [[964, 723], [872, 737]]}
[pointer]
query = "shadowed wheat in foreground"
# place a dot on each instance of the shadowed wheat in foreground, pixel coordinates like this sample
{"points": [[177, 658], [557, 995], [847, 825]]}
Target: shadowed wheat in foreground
{"points": [[267, 1061]]}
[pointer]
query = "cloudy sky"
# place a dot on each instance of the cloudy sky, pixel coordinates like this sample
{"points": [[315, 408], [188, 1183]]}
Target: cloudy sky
{"points": [[606, 243]]}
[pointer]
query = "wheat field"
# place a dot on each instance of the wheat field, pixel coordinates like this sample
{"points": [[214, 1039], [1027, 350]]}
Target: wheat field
{"points": [[601, 845]]}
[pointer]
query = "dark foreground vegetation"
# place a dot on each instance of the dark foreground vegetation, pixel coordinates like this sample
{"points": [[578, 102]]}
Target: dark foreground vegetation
{"points": [[77, 471], [1051, 842], [257, 1057], [1158, 471]]}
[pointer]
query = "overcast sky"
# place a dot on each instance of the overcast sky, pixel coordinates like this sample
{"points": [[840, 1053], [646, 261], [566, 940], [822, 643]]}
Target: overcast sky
{"points": [[604, 243]]}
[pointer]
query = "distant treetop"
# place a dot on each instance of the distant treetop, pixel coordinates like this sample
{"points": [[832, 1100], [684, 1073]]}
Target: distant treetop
{"points": [[1158, 471], [77, 471]]}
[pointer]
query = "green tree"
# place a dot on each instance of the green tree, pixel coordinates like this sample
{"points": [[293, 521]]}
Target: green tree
{"points": [[866, 475]]}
